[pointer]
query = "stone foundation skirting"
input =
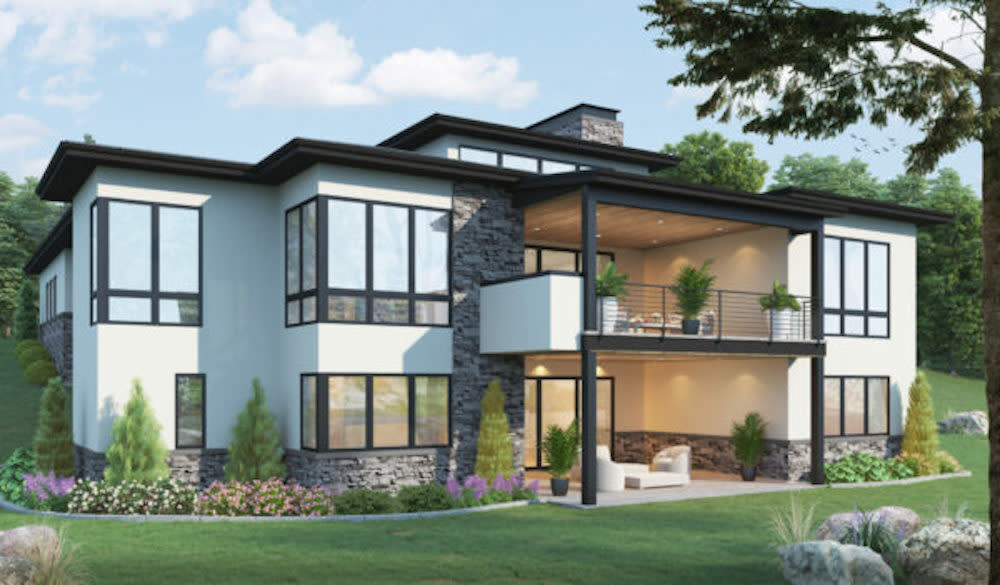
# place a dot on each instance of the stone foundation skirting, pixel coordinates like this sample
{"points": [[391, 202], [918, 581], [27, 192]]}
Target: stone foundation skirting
{"points": [[89, 464], [56, 335], [782, 460], [192, 466], [381, 470]]}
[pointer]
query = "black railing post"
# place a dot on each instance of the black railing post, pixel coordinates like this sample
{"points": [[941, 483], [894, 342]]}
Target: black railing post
{"points": [[663, 312], [718, 315], [770, 325]]}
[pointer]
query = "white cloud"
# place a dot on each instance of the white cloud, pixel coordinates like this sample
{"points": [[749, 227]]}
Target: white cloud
{"points": [[63, 91], [950, 33], [24, 94], [9, 21], [155, 38], [442, 73], [265, 60], [18, 132]]}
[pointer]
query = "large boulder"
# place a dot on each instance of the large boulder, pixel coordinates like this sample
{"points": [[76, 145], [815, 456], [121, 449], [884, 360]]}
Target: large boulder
{"points": [[830, 563], [947, 552], [901, 522], [972, 422], [16, 571], [20, 541]]}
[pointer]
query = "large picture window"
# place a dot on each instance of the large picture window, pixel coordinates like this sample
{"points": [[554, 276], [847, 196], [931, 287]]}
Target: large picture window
{"points": [[855, 405], [369, 262], [190, 415], [146, 263], [856, 288], [361, 411]]}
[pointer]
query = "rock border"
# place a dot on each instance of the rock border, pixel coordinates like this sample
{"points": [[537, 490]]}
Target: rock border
{"points": [[909, 480], [170, 518]]}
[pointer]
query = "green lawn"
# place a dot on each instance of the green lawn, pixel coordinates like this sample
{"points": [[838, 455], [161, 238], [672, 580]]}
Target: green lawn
{"points": [[693, 542], [955, 394], [18, 402]]}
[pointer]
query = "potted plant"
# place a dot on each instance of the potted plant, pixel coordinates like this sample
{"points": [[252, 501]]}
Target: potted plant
{"points": [[781, 308], [560, 448], [748, 443], [692, 291], [609, 286]]}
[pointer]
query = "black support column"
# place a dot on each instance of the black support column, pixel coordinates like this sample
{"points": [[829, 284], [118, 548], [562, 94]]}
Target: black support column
{"points": [[817, 446], [588, 359]]}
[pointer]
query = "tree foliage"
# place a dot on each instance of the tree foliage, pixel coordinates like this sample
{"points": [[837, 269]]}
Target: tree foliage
{"points": [[827, 173], [54, 437], [137, 452], [708, 158], [255, 451], [493, 451], [26, 313]]}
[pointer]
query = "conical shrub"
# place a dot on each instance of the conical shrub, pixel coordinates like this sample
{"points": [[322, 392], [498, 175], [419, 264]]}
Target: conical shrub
{"points": [[493, 451], [920, 435], [137, 452], [54, 438], [255, 452]]}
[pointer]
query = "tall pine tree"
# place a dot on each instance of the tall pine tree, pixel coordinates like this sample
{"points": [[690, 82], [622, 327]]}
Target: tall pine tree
{"points": [[137, 452], [255, 452], [493, 451], [54, 437]]}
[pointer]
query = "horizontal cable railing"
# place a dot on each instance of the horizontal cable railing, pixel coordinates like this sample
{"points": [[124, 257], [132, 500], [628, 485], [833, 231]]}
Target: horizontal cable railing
{"points": [[650, 309]]}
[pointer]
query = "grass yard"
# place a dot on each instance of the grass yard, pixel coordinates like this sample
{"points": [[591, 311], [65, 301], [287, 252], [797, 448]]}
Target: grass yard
{"points": [[954, 394], [692, 542], [18, 402]]}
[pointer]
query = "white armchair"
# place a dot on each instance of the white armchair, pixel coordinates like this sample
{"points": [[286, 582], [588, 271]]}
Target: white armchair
{"points": [[676, 459], [610, 475]]}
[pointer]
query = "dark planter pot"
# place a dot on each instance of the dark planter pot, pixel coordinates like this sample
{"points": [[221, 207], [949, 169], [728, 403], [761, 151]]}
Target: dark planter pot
{"points": [[749, 472], [690, 326], [560, 487]]}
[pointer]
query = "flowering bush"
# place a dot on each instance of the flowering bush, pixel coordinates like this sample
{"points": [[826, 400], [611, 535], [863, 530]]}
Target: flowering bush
{"points": [[272, 497], [48, 491], [477, 491], [132, 497]]}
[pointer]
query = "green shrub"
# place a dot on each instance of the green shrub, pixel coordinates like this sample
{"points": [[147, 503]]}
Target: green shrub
{"points": [[560, 448], [364, 501], [255, 452], [871, 530], [20, 462], [54, 437], [494, 455], [918, 464], [424, 498], [23, 346], [861, 467], [40, 372], [692, 289], [748, 439], [920, 435], [26, 311], [136, 453], [947, 463], [32, 354]]}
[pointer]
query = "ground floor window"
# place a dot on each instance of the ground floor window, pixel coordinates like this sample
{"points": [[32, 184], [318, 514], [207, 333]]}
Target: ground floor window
{"points": [[190, 416], [856, 405], [374, 411], [556, 401]]}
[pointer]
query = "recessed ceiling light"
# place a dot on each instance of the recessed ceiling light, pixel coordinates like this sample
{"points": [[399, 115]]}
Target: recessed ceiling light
{"points": [[538, 229], [720, 229], [598, 235], [659, 221], [656, 241]]}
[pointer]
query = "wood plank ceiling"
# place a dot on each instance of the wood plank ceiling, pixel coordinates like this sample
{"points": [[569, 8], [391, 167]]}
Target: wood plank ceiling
{"points": [[558, 220]]}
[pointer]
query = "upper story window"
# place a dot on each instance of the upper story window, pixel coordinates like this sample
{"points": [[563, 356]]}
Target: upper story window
{"points": [[518, 162], [543, 258], [856, 288], [49, 310], [369, 262], [145, 263]]}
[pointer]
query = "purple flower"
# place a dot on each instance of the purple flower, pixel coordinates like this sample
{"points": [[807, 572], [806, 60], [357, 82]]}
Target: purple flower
{"points": [[43, 486], [453, 488], [533, 486], [477, 485], [502, 484]]}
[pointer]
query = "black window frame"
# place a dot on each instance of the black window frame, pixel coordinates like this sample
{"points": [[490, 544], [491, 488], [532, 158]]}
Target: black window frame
{"points": [[841, 313], [501, 152], [49, 311], [100, 293], [323, 408], [204, 410], [323, 291], [577, 262], [578, 394], [888, 406]]}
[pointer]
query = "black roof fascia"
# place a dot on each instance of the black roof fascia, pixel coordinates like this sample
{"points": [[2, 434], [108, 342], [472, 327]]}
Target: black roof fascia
{"points": [[867, 207], [60, 238], [437, 125]]}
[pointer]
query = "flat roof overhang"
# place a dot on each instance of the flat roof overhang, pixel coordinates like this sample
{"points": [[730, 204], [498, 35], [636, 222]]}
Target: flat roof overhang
{"points": [[701, 345]]}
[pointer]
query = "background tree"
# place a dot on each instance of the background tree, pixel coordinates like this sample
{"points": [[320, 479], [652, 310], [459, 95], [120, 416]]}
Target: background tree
{"points": [[255, 452], [54, 437], [825, 69], [26, 313], [493, 451], [137, 452], [708, 158], [827, 173]]}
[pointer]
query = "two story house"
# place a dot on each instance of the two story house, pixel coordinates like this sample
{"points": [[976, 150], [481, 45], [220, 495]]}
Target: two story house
{"points": [[376, 290]]}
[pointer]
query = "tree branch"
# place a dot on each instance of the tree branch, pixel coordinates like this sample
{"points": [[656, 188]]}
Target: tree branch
{"points": [[946, 57]]}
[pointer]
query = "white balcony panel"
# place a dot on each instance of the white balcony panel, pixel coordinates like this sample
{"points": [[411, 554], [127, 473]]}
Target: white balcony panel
{"points": [[534, 314]]}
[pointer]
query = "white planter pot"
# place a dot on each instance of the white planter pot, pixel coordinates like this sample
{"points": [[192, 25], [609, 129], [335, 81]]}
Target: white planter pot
{"points": [[786, 324], [609, 313]]}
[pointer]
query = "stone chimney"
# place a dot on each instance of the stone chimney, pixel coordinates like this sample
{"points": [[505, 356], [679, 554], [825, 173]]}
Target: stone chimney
{"points": [[586, 122]]}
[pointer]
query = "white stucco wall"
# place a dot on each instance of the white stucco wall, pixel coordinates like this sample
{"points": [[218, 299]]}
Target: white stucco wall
{"points": [[61, 268], [85, 411], [539, 313]]}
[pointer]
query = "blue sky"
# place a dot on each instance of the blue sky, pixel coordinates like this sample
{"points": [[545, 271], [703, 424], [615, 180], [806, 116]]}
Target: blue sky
{"points": [[235, 79]]}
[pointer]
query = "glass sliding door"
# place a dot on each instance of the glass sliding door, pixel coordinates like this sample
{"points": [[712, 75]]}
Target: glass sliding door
{"points": [[549, 401]]}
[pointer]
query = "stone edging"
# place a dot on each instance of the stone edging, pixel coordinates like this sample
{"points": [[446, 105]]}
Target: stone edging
{"points": [[167, 518], [909, 480]]}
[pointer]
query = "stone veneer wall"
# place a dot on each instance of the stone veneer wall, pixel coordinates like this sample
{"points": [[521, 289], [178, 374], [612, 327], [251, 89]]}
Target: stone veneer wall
{"points": [[56, 335], [487, 244], [585, 127], [386, 470], [783, 459], [193, 466]]}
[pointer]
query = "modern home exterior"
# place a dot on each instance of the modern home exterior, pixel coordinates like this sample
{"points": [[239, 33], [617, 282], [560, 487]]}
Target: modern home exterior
{"points": [[375, 292]]}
